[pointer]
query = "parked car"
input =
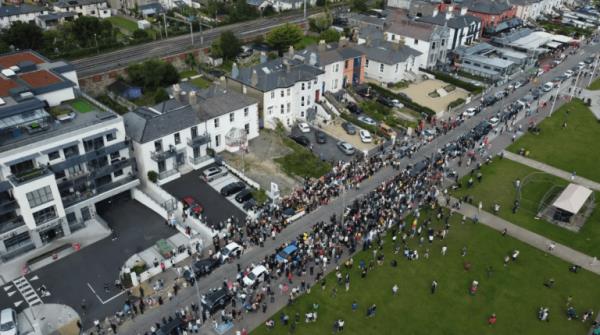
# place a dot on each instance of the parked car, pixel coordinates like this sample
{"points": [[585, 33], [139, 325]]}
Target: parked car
{"points": [[205, 266], [248, 205], [548, 87], [304, 127], [349, 128], [365, 136], [489, 100], [243, 196], [214, 172], [173, 326], [320, 137], [494, 121], [232, 188], [470, 112], [365, 92], [287, 254], [569, 73], [215, 300], [301, 139], [385, 101], [367, 120], [397, 103], [8, 322], [230, 251], [346, 148], [192, 204], [255, 276], [353, 108]]}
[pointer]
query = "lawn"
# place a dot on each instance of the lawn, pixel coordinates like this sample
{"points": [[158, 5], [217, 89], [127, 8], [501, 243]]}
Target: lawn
{"points": [[201, 82], [574, 148], [385, 114], [305, 42], [82, 105], [595, 85], [187, 73], [514, 293], [301, 162], [124, 24], [498, 186]]}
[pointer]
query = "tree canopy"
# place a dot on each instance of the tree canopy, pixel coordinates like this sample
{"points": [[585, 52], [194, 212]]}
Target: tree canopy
{"points": [[282, 37], [227, 46], [152, 74], [24, 36]]}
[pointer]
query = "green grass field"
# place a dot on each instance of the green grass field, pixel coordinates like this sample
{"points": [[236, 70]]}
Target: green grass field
{"points": [[82, 105], [126, 25], [574, 148], [595, 85], [498, 186], [187, 73], [514, 293], [301, 162], [201, 82]]}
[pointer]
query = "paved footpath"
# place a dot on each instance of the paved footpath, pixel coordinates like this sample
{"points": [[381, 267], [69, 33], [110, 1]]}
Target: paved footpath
{"points": [[563, 252], [551, 170]]}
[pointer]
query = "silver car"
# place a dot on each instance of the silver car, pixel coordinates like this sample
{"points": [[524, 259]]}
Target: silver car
{"points": [[346, 148], [213, 173]]}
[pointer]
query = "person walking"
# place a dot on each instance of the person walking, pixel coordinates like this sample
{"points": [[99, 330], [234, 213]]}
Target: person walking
{"points": [[395, 289], [444, 249], [434, 285]]}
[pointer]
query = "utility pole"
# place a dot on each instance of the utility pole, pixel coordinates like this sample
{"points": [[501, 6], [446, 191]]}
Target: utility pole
{"points": [[575, 84], [165, 23], [305, 9]]}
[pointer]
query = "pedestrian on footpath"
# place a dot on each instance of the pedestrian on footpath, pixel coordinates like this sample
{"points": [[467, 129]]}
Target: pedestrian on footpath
{"points": [[551, 246]]}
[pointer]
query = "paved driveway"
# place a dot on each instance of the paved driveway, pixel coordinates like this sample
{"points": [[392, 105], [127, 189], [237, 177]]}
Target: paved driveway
{"points": [[326, 151], [216, 207]]}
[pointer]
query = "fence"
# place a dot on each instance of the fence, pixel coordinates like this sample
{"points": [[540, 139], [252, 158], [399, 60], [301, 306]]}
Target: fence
{"points": [[150, 203], [240, 175]]}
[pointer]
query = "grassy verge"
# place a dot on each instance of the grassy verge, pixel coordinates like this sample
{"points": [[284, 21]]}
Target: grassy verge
{"points": [[497, 186], [574, 148], [595, 85], [187, 73], [514, 293], [201, 82], [126, 25], [301, 162]]}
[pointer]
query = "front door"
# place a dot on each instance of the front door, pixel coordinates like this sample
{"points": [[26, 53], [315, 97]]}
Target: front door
{"points": [[317, 95]]}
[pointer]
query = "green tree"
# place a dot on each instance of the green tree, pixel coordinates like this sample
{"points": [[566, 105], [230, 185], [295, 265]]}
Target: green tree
{"points": [[359, 6], [215, 49], [321, 3], [269, 11], [90, 31], [330, 35], [240, 11], [230, 45], [190, 60], [321, 22], [140, 35], [152, 74], [160, 95], [24, 36], [282, 37]]}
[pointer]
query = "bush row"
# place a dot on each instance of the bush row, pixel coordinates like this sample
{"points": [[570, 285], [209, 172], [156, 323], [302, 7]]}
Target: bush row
{"points": [[404, 100], [454, 81]]}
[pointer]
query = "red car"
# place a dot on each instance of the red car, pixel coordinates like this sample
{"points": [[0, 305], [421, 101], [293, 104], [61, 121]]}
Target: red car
{"points": [[190, 202]]}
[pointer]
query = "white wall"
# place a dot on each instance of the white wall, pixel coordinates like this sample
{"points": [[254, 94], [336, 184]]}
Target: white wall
{"points": [[419, 45], [392, 73], [5, 22], [333, 77], [99, 10], [57, 97]]}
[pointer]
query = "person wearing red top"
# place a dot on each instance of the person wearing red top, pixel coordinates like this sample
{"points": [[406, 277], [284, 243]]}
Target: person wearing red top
{"points": [[492, 319]]}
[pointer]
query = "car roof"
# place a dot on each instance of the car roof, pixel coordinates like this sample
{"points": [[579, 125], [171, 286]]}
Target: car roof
{"points": [[232, 245], [258, 269], [6, 314]]}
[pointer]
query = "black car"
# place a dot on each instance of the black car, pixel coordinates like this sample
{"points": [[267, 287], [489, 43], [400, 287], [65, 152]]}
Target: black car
{"points": [[248, 205], [205, 266], [320, 137], [385, 101], [349, 128], [173, 327], [353, 108], [489, 100], [301, 139], [419, 167], [365, 92], [232, 188], [215, 300], [243, 196]]}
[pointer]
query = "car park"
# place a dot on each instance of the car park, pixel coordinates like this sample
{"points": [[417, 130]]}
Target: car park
{"points": [[214, 172], [8, 322], [320, 137], [232, 188], [243, 196], [230, 251], [255, 276], [301, 139], [365, 136], [192, 204], [470, 112], [346, 148], [304, 127], [367, 120], [349, 128], [205, 266], [215, 300], [548, 87]]}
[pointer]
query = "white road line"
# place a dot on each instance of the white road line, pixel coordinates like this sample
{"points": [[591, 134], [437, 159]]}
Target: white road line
{"points": [[96, 294], [107, 300], [27, 291]]}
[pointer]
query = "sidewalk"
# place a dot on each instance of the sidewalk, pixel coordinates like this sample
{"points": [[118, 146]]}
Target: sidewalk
{"points": [[565, 253], [595, 97], [551, 170], [49, 319]]}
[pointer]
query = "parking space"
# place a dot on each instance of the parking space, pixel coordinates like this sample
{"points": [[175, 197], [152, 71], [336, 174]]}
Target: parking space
{"points": [[335, 130], [216, 208], [325, 151], [219, 183]]}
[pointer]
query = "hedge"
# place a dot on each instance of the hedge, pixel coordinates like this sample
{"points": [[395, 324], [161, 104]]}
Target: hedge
{"points": [[370, 128], [454, 81], [456, 103], [406, 102]]}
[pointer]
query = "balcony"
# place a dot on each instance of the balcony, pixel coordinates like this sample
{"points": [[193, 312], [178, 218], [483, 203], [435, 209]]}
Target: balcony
{"points": [[198, 140], [27, 176], [80, 159], [11, 224], [91, 191], [159, 156], [7, 205], [110, 168], [199, 160], [166, 174]]}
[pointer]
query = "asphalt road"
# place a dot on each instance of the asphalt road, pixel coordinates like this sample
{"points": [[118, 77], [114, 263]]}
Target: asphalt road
{"points": [[253, 255], [326, 151]]}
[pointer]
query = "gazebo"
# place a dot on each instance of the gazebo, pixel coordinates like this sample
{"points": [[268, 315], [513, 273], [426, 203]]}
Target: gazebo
{"points": [[570, 201]]}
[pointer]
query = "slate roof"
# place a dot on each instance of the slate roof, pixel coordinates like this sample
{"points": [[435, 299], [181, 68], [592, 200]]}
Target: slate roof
{"points": [[456, 21], [387, 52], [71, 3], [56, 16], [333, 53], [274, 74], [486, 6], [6, 11], [147, 124], [418, 30]]}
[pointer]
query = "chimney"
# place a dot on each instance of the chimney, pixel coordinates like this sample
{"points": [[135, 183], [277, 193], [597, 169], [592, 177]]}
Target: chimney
{"points": [[368, 41], [312, 59], [343, 41], [254, 78], [263, 57], [435, 12], [235, 72], [176, 91], [291, 52], [448, 15], [183, 97], [463, 11], [322, 46], [450, 9], [193, 98], [287, 65]]}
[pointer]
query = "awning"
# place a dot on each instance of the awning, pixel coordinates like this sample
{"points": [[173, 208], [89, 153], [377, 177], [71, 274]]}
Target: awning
{"points": [[552, 44], [572, 198]]}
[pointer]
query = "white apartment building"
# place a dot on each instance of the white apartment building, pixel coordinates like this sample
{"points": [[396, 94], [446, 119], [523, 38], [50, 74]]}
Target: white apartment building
{"points": [[388, 62], [55, 165], [22, 13], [463, 28], [96, 8], [287, 89], [179, 132]]}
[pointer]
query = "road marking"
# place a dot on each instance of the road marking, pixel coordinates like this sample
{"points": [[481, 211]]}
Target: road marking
{"points": [[27, 291], [107, 300], [7, 287], [34, 278], [11, 293], [18, 303]]}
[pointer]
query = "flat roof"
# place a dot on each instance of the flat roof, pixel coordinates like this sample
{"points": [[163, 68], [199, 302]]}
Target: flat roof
{"points": [[40, 78], [9, 60], [494, 61], [6, 86]]}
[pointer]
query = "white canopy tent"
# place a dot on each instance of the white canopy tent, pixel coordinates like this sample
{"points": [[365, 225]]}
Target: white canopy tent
{"points": [[572, 198]]}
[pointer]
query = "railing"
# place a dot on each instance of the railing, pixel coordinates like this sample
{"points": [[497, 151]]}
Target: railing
{"points": [[11, 224], [199, 159], [167, 174], [79, 196], [110, 168], [30, 175], [7, 205], [198, 140], [89, 156], [158, 156]]}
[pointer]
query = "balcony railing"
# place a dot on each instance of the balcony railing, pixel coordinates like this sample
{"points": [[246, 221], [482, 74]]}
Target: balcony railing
{"points": [[79, 196], [105, 151], [11, 224], [166, 174], [199, 159], [27, 176], [7, 205], [198, 140], [110, 168], [159, 156]]}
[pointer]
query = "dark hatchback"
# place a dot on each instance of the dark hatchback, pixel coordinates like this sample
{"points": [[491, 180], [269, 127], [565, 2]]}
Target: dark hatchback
{"points": [[232, 188]]}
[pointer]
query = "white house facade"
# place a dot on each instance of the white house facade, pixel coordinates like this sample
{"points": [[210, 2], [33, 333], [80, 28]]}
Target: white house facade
{"points": [[430, 40], [96, 8], [463, 29], [23, 13], [388, 62]]}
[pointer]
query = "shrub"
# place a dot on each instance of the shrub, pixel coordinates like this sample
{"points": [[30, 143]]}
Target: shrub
{"points": [[456, 103], [152, 176], [454, 81]]}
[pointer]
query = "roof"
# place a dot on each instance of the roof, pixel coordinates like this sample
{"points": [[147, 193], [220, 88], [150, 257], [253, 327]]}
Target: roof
{"points": [[255, 3], [155, 6], [56, 16], [21, 9], [330, 53], [275, 74], [11, 59], [455, 21], [485, 6], [70, 3], [6, 85], [387, 52], [147, 124], [39, 78], [572, 198], [418, 30]]}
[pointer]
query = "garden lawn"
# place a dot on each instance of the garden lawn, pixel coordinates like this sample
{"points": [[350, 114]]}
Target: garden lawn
{"points": [[595, 85], [82, 106], [124, 24], [305, 42], [201, 82], [301, 162], [498, 186], [514, 293], [187, 73], [574, 148]]}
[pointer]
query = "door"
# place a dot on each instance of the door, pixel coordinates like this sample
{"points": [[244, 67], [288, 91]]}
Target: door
{"points": [[317, 95]]}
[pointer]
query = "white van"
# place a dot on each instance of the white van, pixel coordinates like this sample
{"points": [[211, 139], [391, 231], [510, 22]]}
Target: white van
{"points": [[548, 87]]}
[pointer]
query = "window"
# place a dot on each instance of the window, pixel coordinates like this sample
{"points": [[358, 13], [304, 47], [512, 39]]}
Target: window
{"points": [[75, 169], [110, 137], [162, 166], [54, 155], [396, 68], [158, 145], [194, 131], [71, 151], [60, 174], [282, 110], [282, 93], [289, 107], [44, 215], [380, 67], [270, 110], [433, 46], [346, 64], [309, 85], [272, 94], [118, 173], [289, 91], [218, 140], [39, 196], [443, 42], [177, 138], [366, 63], [302, 101], [247, 128], [416, 41], [335, 83], [336, 68], [115, 155], [231, 117], [216, 122], [16, 241], [302, 86], [246, 112], [308, 100], [393, 37]]}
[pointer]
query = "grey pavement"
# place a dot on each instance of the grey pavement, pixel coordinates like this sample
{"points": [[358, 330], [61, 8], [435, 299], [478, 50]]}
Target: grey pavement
{"points": [[552, 170], [594, 96]]}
